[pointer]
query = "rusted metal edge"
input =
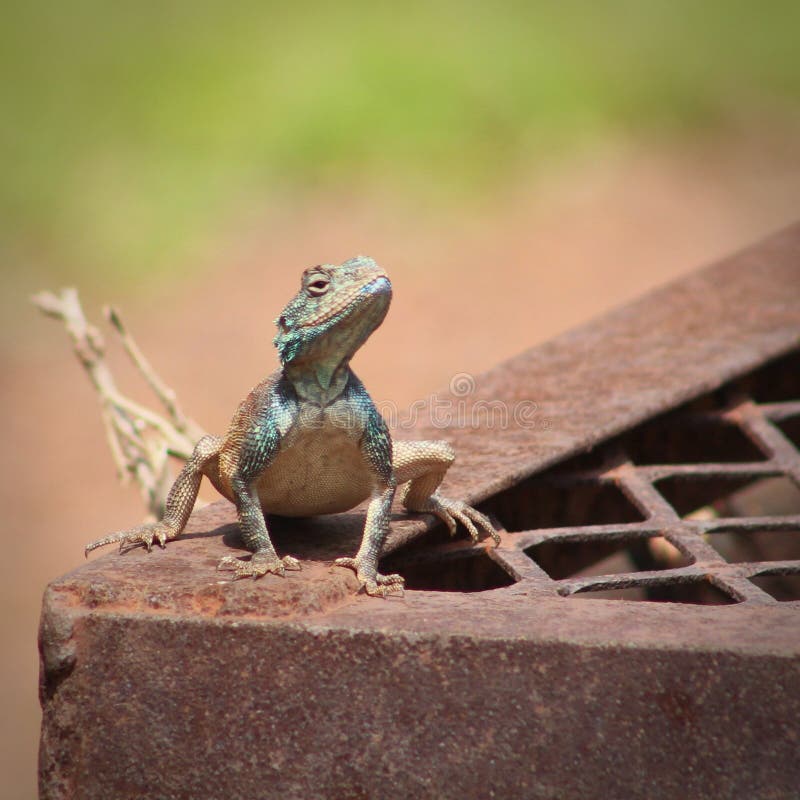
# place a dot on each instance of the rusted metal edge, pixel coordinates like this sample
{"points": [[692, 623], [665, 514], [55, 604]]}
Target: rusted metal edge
{"points": [[596, 381]]}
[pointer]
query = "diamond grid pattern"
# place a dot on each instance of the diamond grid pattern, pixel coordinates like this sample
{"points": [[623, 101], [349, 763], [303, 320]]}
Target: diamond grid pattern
{"points": [[639, 484], [761, 423]]}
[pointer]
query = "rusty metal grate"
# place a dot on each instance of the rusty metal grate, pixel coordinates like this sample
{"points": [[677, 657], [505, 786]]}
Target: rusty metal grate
{"points": [[699, 505]]}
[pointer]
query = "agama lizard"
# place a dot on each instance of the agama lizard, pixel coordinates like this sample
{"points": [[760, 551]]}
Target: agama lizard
{"points": [[308, 439]]}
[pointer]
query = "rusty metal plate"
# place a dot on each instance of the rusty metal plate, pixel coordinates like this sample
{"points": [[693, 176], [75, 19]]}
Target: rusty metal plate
{"points": [[659, 465]]}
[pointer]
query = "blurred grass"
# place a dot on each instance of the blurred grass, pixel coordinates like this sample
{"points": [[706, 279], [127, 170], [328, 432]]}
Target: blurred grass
{"points": [[130, 130]]}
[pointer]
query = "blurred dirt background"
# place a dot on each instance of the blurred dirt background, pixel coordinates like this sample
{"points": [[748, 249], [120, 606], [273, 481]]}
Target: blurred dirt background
{"points": [[509, 197]]}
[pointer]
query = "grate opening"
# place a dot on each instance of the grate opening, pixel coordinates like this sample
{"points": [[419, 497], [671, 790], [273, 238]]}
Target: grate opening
{"points": [[676, 439], [791, 429], [775, 382], [784, 588], [767, 497], [738, 547], [693, 592], [550, 502], [464, 571], [571, 558], [690, 494]]}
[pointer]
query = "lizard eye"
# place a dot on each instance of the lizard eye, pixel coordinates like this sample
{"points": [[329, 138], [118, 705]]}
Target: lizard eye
{"points": [[318, 286]]}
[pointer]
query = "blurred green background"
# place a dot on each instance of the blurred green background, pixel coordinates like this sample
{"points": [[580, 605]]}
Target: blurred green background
{"points": [[132, 131]]}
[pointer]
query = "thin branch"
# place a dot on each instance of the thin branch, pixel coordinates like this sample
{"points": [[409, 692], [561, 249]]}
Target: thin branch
{"points": [[116, 450], [163, 392], [178, 444], [140, 440]]}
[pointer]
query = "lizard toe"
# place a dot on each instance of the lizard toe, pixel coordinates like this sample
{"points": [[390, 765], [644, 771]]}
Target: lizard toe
{"points": [[240, 568], [482, 521], [451, 512], [459, 513], [256, 567], [449, 520], [140, 536], [144, 538], [389, 580], [384, 586], [469, 517], [372, 582], [442, 509]]}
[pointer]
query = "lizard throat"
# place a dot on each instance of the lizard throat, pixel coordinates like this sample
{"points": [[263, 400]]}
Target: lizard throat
{"points": [[320, 383]]}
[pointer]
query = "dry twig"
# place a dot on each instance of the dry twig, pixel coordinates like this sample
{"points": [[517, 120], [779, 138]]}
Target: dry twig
{"points": [[140, 440]]}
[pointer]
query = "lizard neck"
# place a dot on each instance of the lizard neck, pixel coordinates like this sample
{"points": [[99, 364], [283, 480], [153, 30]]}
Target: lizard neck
{"points": [[318, 382]]}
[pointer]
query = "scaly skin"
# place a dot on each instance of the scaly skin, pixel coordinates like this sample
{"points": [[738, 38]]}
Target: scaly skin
{"points": [[309, 440]]}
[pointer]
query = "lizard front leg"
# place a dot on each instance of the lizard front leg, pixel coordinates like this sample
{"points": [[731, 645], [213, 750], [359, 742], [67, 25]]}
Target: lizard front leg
{"points": [[422, 466], [376, 449], [253, 441], [255, 536], [365, 563]]}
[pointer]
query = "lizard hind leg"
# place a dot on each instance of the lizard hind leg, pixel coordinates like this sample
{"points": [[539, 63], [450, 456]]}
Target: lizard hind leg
{"points": [[180, 502], [422, 467]]}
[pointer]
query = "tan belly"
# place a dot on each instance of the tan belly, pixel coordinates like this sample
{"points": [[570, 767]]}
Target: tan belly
{"points": [[319, 472]]}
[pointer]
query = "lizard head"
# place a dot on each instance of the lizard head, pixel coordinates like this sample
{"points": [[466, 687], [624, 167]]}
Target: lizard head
{"points": [[335, 311]]}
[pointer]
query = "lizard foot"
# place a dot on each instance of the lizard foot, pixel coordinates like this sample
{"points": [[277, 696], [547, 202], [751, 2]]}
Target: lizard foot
{"points": [[142, 535], [375, 584], [452, 512], [257, 565]]}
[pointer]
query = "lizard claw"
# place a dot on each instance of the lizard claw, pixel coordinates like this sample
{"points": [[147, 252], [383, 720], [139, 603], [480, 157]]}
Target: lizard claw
{"points": [[256, 566], [375, 584], [142, 535], [453, 511]]}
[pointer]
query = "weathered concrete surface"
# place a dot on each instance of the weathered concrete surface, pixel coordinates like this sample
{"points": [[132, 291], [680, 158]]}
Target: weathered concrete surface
{"points": [[162, 679]]}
